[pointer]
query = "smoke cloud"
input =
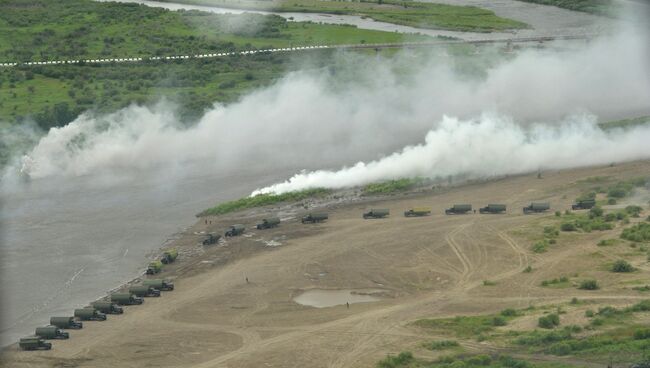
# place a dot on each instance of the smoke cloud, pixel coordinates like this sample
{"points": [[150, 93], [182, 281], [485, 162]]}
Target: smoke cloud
{"points": [[483, 114]]}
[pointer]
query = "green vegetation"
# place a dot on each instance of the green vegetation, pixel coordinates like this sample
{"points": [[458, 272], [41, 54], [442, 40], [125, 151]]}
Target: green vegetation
{"points": [[601, 7], [540, 246], [622, 266], [637, 233], [489, 283], [263, 200], [465, 326], [441, 344], [409, 13], [626, 123], [607, 242], [589, 285], [556, 283], [549, 321], [392, 186], [406, 360], [594, 220]]}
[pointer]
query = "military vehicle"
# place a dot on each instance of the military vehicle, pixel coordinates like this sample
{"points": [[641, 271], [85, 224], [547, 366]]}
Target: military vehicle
{"points": [[169, 256], [144, 290], [417, 212], [126, 299], [459, 209], [154, 267], [89, 314], [51, 333], [234, 230], [537, 207], [268, 223], [376, 213], [314, 217], [584, 204], [493, 208], [107, 307], [211, 239], [34, 343], [159, 284], [66, 323]]}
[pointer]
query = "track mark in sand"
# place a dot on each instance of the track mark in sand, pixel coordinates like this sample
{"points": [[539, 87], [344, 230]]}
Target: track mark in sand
{"points": [[521, 253], [462, 257]]}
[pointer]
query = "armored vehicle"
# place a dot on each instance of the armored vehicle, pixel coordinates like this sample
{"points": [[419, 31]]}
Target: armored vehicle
{"points": [[34, 343], [235, 230], [376, 213], [154, 267], [211, 239], [537, 207], [169, 256], [417, 212], [65, 323], [458, 209], [584, 204], [314, 217], [107, 307], [144, 290], [51, 332], [159, 284], [268, 223], [126, 299], [493, 208], [89, 314]]}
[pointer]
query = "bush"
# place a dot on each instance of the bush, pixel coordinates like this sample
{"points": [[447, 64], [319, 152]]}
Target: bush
{"points": [[589, 285], [589, 313], [558, 213], [633, 211], [642, 334], [550, 321], [637, 233], [528, 269], [568, 226], [611, 201], [540, 246], [622, 266], [441, 344], [400, 360], [488, 283], [499, 321], [595, 212], [509, 312]]}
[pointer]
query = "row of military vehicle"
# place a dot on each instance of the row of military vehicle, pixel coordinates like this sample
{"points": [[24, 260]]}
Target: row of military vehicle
{"points": [[96, 311], [169, 256]]}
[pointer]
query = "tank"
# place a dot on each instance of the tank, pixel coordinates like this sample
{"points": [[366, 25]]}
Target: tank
{"points": [[66, 323], [107, 307], [376, 213], [211, 239], [125, 299], [89, 314], [160, 284], [418, 211], [34, 343], [51, 332], [537, 207], [459, 209], [235, 230], [144, 290], [584, 204], [268, 223], [493, 208], [154, 267], [169, 256], [315, 217]]}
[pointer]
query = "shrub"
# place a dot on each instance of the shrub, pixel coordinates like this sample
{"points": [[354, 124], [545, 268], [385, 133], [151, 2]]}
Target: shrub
{"points": [[509, 312], [550, 321], [479, 360], [606, 242], [610, 217], [574, 300], [540, 246], [589, 285], [622, 266], [568, 226], [611, 201], [595, 212], [499, 321], [642, 334], [401, 359], [637, 233], [589, 313], [558, 213], [528, 269], [643, 306], [633, 211], [488, 283], [441, 344]]}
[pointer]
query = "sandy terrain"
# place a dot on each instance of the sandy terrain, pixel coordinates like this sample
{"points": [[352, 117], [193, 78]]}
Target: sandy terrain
{"points": [[426, 267]]}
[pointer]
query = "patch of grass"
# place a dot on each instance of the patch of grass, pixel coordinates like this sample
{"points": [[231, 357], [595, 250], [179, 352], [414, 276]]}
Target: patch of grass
{"points": [[403, 359], [607, 242], [637, 233], [561, 282], [441, 344], [589, 285], [601, 7], [465, 326], [489, 283], [540, 246], [263, 200], [392, 186], [643, 288], [626, 123]]}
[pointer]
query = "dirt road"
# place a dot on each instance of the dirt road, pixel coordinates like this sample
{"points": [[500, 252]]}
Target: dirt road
{"points": [[426, 267]]}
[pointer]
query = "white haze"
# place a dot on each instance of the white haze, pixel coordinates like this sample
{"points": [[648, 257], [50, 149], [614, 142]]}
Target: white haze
{"points": [[512, 119]]}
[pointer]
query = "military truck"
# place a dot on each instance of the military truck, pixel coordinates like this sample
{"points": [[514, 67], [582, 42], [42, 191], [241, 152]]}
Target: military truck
{"points": [[66, 323], [211, 239], [493, 208], [376, 213], [89, 314], [51, 333], [268, 223], [417, 212], [154, 267], [159, 284], [235, 230], [126, 299], [537, 207], [584, 204], [34, 343], [315, 217], [459, 209], [107, 307], [169, 256], [144, 290]]}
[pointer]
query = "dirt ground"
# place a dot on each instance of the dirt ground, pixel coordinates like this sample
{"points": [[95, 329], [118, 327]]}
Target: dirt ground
{"points": [[427, 267]]}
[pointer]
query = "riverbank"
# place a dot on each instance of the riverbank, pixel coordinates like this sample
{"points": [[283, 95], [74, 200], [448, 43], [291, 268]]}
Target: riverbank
{"points": [[234, 301]]}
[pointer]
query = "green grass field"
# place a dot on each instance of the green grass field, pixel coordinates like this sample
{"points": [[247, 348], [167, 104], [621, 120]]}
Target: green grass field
{"points": [[601, 7], [409, 13]]}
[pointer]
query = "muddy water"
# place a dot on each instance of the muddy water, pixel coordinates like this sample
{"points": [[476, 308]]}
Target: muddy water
{"points": [[322, 298]]}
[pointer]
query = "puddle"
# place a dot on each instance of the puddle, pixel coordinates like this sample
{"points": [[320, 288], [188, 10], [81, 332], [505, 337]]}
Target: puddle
{"points": [[320, 298]]}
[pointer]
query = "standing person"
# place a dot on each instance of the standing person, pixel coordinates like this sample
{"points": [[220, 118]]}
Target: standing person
{"points": [[347, 304], [247, 279]]}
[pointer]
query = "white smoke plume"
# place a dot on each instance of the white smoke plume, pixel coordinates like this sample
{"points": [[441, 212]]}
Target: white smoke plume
{"points": [[370, 107]]}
